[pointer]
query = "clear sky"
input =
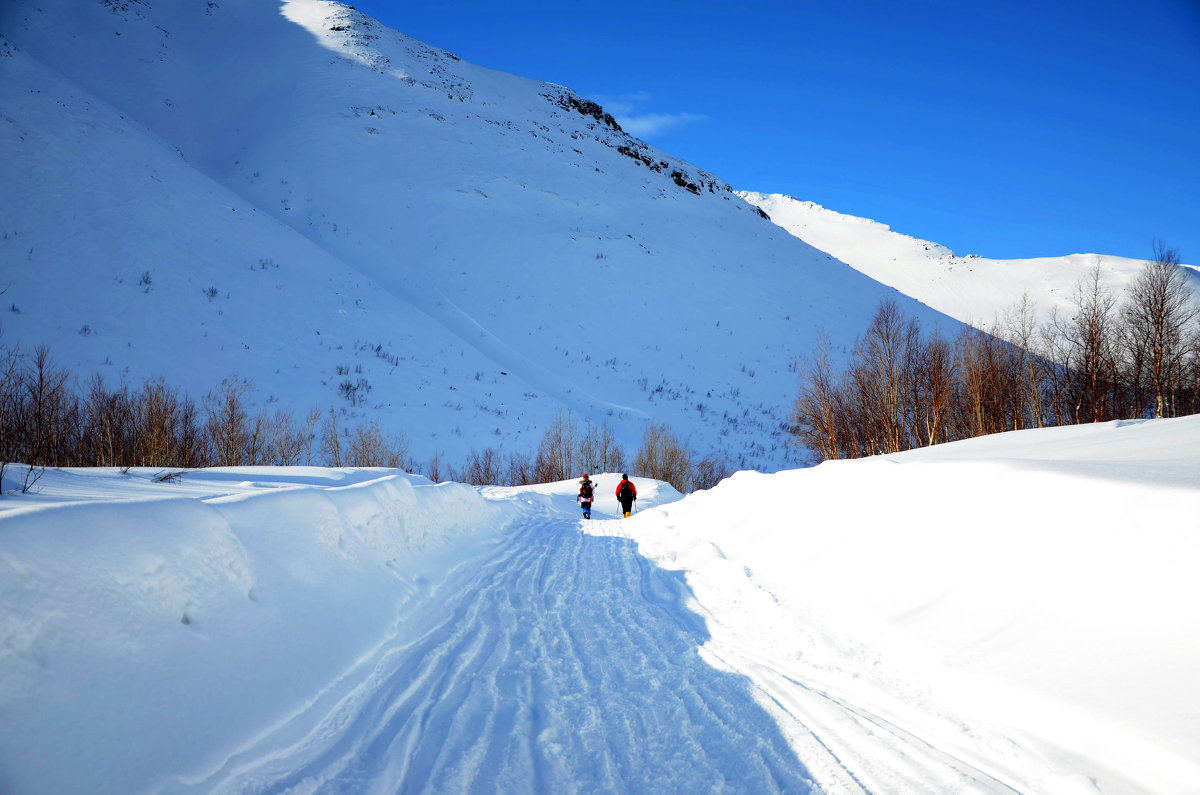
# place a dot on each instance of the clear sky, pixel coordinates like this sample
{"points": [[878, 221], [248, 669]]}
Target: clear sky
{"points": [[1001, 128]]}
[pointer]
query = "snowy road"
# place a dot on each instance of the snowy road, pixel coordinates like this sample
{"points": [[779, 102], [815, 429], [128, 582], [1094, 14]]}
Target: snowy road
{"points": [[564, 662]]}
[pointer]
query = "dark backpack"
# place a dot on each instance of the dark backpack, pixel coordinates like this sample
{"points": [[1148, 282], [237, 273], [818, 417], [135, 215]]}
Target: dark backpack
{"points": [[585, 491], [625, 493]]}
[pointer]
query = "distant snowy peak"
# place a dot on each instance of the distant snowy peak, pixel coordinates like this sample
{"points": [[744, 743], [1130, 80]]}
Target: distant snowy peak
{"points": [[811, 222], [973, 289]]}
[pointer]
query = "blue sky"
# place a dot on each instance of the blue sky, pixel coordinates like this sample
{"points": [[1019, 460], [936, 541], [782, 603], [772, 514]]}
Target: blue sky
{"points": [[1005, 129]]}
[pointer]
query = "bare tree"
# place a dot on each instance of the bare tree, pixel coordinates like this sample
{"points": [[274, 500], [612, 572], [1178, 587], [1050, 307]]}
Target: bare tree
{"points": [[710, 471], [520, 469], [283, 441], [228, 422], [109, 420], [367, 446], [256, 447], [483, 468], [10, 406], [1020, 329], [991, 384], [191, 448], [396, 452], [156, 417], [930, 384], [436, 472], [309, 433], [878, 378], [45, 393], [597, 449], [664, 456], [1085, 345], [556, 457], [331, 442], [820, 411], [1159, 313]]}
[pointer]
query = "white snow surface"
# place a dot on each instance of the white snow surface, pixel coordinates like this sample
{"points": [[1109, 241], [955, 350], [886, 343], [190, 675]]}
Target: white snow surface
{"points": [[1010, 613]]}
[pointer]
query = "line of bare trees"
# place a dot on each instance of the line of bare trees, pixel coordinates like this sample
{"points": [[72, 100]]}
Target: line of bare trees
{"points": [[1106, 359], [568, 450], [48, 420]]}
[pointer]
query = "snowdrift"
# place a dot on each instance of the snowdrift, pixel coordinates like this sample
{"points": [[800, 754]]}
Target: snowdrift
{"points": [[1024, 601], [145, 635]]}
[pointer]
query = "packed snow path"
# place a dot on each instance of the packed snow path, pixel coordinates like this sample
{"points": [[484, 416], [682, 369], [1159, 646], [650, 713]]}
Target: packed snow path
{"points": [[565, 662]]}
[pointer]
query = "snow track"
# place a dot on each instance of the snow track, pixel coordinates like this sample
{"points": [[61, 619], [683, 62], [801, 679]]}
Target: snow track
{"points": [[564, 662], [852, 749]]}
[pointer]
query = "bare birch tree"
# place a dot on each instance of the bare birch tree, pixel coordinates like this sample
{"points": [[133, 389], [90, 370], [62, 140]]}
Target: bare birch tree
{"points": [[663, 456], [228, 422], [1159, 313], [1085, 346]]}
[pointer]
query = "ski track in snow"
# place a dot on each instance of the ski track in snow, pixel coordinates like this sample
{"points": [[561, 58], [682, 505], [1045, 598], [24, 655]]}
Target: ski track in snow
{"points": [[565, 663]]}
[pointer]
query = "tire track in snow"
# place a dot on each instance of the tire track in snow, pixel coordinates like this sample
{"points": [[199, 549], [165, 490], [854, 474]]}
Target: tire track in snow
{"points": [[843, 734], [565, 663], [894, 759]]}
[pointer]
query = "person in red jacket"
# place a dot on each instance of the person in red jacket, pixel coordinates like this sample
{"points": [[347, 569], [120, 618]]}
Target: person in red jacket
{"points": [[626, 494]]}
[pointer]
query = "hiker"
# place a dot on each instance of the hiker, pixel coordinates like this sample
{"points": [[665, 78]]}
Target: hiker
{"points": [[585, 496], [626, 494]]}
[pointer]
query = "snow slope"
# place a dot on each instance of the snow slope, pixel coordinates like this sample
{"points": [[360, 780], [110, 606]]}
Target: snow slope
{"points": [[294, 194], [1008, 613], [976, 290], [1020, 604]]}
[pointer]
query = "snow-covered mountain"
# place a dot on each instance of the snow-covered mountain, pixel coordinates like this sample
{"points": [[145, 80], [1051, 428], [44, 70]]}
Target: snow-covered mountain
{"points": [[976, 290], [295, 194]]}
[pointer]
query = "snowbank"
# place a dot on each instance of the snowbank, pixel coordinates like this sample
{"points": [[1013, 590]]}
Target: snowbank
{"points": [[145, 627], [1024, 602]]}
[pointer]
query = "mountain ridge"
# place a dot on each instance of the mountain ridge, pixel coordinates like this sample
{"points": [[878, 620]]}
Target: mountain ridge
{"points": [[925, 270]]}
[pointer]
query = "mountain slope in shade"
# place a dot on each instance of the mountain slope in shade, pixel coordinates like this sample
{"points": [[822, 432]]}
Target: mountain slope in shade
{"points": [[973, 289], [299, 196]]}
